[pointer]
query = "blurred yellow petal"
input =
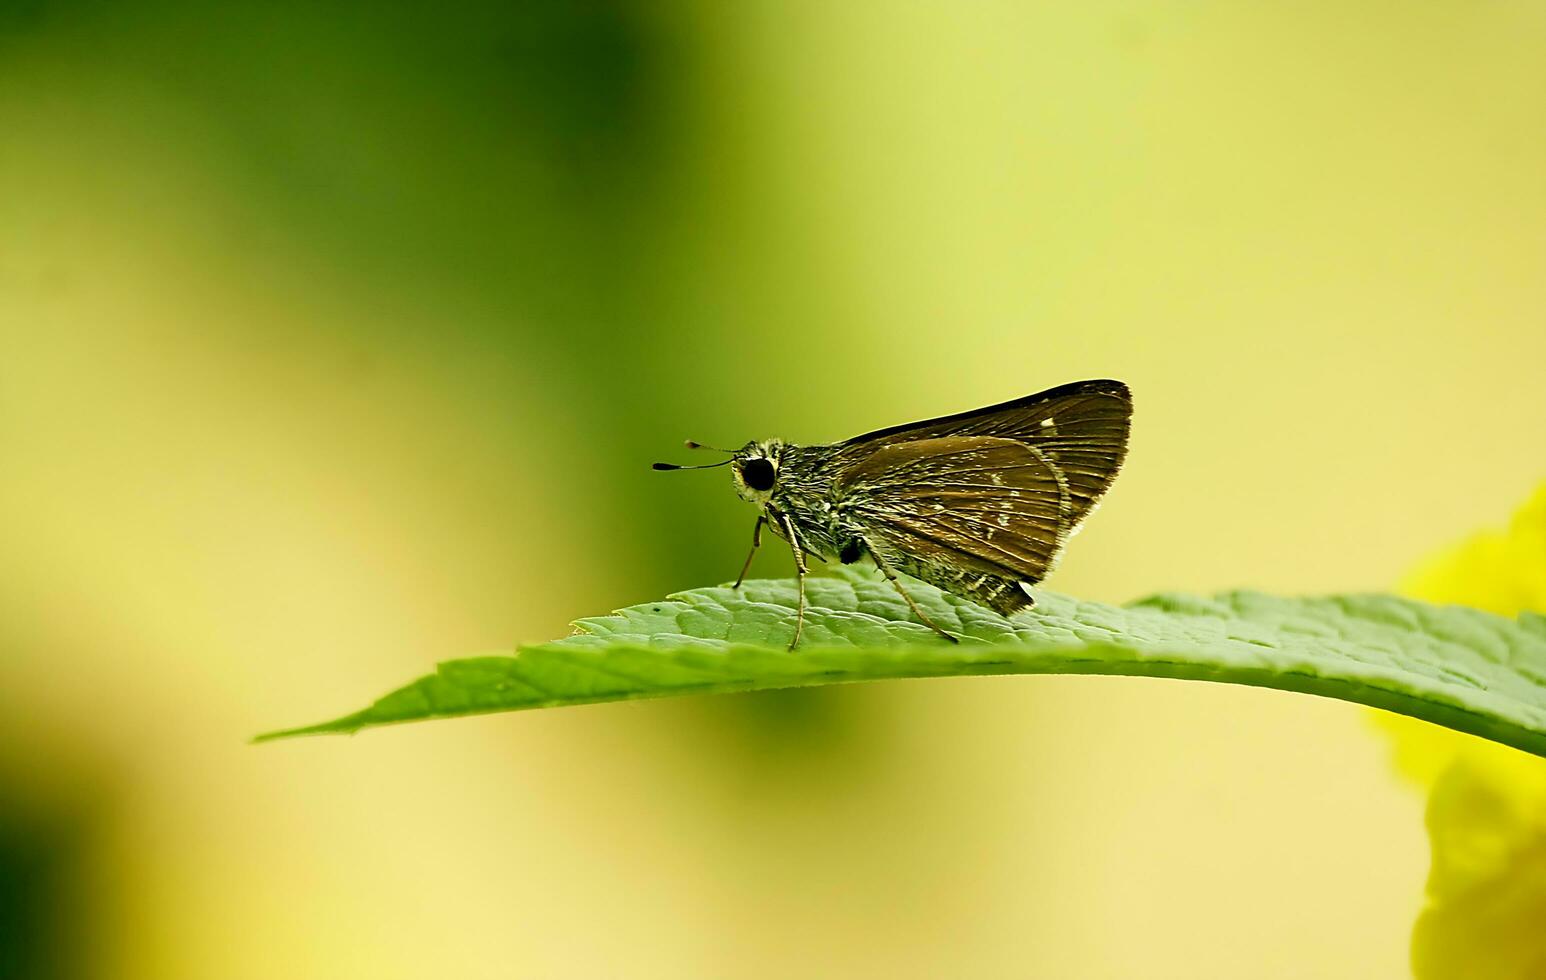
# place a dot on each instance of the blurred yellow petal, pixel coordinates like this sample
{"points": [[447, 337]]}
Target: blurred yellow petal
{"points": [[1487, 803], [1500, 571]]}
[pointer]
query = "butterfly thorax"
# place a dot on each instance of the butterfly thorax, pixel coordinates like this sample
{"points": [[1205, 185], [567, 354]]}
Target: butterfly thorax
{"points": [[803, 496]]}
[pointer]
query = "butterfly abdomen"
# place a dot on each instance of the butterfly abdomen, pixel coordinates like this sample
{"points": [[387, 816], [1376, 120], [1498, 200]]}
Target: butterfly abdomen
{"points": [[1005, 596]]}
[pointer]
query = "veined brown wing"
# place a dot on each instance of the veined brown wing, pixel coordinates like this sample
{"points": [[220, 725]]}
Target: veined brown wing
{"points": [[1082, 428], [975, 515]]}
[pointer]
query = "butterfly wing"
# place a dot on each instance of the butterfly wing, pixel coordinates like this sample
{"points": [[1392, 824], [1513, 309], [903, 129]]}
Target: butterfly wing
{"points": [[981, 502], [975, 515]]}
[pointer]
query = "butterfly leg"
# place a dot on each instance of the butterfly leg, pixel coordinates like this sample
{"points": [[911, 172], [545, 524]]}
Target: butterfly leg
{"points": [[800, 572], [885, 570], [756, 543]]}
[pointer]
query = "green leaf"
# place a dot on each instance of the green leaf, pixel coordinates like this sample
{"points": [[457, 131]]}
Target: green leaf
{"points": [[1458, 667]]}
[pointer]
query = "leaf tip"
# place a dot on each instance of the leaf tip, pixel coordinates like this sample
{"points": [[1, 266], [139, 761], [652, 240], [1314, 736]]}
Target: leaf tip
{"points": [[326, 728]]}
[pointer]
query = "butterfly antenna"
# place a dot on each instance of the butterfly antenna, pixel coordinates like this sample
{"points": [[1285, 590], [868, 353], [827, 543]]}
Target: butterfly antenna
{"points": [[691, 444], [674, 466]]}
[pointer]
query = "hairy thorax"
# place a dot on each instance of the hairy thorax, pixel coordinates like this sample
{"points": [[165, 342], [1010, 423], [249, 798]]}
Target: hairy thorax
{"points": [[808, 495]]}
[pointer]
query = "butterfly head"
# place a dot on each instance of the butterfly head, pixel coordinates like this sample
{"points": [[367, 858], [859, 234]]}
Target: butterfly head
{"points": [[755, 468]]}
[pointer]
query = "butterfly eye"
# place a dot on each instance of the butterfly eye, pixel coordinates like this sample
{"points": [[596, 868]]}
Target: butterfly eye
{"points": [[758, 474]]}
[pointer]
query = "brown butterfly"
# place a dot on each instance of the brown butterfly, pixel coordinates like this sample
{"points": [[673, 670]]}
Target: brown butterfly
{"points": [[979, 504]]}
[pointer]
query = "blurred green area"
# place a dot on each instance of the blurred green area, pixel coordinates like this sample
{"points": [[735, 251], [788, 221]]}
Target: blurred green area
{"points": [[336, 339]]}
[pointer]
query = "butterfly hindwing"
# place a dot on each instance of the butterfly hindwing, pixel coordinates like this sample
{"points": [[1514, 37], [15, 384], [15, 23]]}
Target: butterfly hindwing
{"points": [[973, 514]]}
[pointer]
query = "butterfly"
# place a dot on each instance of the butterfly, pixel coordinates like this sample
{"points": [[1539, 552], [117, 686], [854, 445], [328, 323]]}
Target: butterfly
{"points": [[979, 504]]}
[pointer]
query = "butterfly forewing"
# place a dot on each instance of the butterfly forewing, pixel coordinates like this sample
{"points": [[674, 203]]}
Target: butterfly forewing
{"points": [[1081, 427]]}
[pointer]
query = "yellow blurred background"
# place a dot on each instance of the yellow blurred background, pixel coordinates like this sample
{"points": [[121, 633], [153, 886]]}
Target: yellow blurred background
{"points": [[336, 339]]}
